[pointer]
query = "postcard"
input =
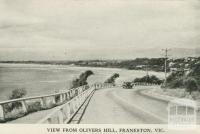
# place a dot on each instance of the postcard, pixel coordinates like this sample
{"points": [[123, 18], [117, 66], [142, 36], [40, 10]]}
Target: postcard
{"points": [[99, 66]]}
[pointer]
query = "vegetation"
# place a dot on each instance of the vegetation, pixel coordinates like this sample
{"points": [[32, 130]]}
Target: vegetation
{"points": [[191, 85], [175, 79], [145, 79], [17, 93], [154, 64], [127, 85], [175, 75], [195, 72], [82, 80], [15, 110], [188, 81], [177, 83], [148, 79], [112, 79]]}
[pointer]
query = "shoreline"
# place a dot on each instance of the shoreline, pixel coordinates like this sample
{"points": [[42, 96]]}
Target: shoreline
{"points": [[81, 67], [43, 78], [72, 65]]}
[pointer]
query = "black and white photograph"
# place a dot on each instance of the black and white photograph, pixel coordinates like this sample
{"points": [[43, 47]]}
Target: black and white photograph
{"points": [[100, 62]]}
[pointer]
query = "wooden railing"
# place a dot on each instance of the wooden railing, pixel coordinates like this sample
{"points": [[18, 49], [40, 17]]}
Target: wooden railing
{"points": [[12, 109]]}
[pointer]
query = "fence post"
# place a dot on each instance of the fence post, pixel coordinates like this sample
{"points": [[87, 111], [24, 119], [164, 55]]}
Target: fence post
{"points": [[67, 96], [64, 97], [74, 105], [76, 102], [24, 106], [2, 114], [81, 98], [54, 99], [43, 103], [61, 98], [79, 101], [68, 111], [60, 117], [71, 94]]}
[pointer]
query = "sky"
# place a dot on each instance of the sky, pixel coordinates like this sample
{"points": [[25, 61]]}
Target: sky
{"points": [[96, 29]]}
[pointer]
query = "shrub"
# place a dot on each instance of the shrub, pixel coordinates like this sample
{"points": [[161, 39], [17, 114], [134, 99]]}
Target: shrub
{"points": [[175, 75], [155, 80], [112, 79], [148, 79], [75, 83], [179, 79], [127, 85], [15, 94], [176, 79], [195, 72], [191, 85], [177, 83], [82, 80]]}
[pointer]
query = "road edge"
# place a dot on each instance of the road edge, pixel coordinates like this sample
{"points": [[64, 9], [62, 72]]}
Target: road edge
{"points": [[165, 98]]}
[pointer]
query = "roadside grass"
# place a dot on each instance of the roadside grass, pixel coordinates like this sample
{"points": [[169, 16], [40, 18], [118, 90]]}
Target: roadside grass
{"points": [[178, 92]]}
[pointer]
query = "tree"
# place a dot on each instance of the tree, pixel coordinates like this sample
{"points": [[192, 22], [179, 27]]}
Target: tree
{"points": [[175, 75], [82, 80], [112, 79], [17, 93], [191, 85], [195, 72]]}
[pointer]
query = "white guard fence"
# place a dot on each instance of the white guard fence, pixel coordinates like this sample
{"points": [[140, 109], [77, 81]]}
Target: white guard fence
{"points": [[67, 102]]}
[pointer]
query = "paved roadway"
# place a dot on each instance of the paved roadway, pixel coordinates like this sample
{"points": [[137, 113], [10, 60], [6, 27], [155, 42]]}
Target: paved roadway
{"points": [[124, 106]]}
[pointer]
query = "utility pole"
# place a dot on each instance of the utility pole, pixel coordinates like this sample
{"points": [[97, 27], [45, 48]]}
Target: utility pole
{"points": [[147, 73], [166, 57]]}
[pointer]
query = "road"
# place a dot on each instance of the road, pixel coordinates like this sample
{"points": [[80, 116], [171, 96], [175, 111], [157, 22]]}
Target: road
{"points": [[124, 106]]}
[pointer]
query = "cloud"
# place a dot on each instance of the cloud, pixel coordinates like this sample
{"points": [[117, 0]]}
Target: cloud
{"points": [[92, 29]]}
